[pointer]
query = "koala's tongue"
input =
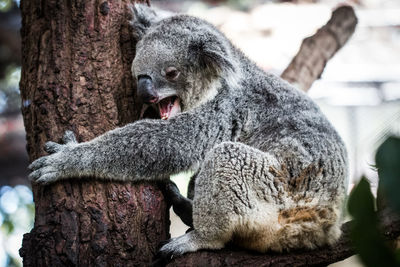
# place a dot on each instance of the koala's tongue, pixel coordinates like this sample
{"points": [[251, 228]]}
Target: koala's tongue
{"points": [[169, 107]]}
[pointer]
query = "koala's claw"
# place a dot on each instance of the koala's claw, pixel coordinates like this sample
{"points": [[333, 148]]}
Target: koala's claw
{"points": [[46, 169], [53, 167], [34, 175], [47, 178], [37, 163], [52, 147], [69, 137]]}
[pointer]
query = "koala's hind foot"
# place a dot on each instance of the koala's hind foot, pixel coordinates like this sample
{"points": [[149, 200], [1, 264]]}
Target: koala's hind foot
{"points": [[188, 242]]}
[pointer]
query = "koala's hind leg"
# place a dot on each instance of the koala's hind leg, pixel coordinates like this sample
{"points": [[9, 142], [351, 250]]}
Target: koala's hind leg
{"points": [[241, 197], [225, 199]]}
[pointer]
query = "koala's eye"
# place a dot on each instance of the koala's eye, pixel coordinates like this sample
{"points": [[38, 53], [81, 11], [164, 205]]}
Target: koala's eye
{"points": [[171, 73]]}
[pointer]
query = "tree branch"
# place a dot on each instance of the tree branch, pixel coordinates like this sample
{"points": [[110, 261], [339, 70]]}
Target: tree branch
{"points": [[316, 50], [390, 227]]}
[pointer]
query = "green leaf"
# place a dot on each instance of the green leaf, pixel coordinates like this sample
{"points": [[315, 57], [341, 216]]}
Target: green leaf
{"points": [[8, 226], [388, 163], [368, 241], [361, 201]]}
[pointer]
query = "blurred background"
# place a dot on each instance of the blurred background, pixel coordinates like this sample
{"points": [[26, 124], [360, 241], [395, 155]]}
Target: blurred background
{"points": [[359, 90]]}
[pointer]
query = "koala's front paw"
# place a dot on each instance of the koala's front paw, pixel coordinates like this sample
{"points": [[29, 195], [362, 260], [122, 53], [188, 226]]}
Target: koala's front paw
{"points": [[56, 165]]}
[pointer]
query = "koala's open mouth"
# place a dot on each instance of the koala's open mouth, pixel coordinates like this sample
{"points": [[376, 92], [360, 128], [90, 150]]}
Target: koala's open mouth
{"points": [[164, 109], [169, 107]]}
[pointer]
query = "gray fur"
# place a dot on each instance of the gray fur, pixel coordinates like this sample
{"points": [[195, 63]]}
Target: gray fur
{"points": [[271, 168]]}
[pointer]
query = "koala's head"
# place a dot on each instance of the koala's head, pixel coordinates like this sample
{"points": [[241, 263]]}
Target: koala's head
{"points": [[181, 61]]}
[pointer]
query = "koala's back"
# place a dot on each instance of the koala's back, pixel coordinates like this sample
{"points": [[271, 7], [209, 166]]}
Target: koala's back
{"points": [[283, 121]]}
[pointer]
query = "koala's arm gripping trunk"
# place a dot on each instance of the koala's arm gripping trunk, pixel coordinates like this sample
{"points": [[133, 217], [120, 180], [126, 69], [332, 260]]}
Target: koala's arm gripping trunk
{"points": [[147, 149], [155, 148]]}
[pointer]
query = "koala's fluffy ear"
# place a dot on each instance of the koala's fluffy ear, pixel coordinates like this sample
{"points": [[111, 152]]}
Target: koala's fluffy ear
{"points": [[211, 55], [143, 17]]}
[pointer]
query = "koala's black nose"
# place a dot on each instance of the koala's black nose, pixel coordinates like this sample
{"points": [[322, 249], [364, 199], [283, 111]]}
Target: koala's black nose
{"points": [[146, 91]]}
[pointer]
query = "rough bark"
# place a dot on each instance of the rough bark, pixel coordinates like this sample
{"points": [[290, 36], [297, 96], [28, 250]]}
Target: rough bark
{"points": [[316, 50], [76, 58]]}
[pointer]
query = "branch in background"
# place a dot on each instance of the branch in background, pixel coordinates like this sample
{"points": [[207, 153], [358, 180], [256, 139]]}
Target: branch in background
{"points": [[315, 51]]}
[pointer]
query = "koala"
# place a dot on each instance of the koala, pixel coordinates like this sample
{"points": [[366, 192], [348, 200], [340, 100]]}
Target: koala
{"points": [[271, 171]]}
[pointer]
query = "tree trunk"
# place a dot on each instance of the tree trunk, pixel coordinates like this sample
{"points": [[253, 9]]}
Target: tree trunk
{"points": [[76, 75]]}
